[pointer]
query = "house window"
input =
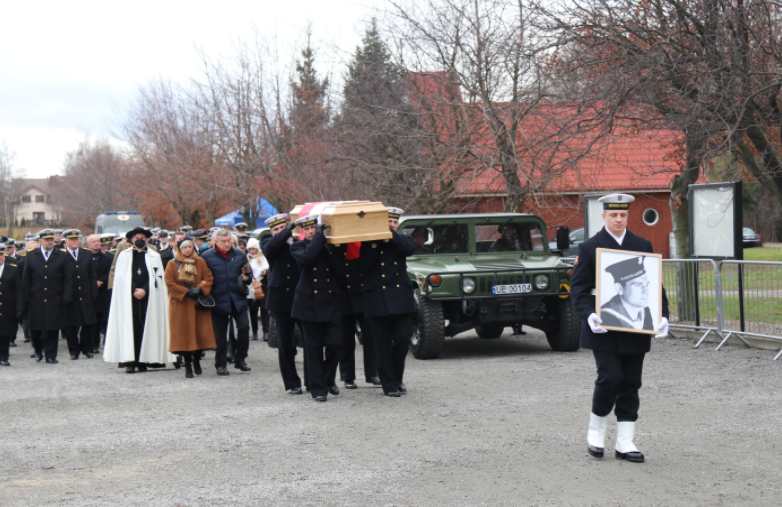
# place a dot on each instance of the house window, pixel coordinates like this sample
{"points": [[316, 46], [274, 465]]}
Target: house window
{"points": [[651, 216], [39, 216], [40, 198], [27, 198]]}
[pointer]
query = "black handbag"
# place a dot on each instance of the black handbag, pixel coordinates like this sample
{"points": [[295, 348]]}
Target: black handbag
{"points": [[201, 302]]}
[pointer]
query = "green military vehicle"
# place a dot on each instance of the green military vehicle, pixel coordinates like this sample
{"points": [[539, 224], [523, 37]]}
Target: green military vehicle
{"points": [[486, 272]]}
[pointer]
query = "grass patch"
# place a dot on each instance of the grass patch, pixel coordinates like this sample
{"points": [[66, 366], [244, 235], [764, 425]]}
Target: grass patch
{"points": [[768, 310], [765, 253]]}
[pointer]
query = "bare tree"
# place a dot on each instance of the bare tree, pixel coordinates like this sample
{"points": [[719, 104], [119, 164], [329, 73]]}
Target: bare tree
{"points": [[10, 188]]}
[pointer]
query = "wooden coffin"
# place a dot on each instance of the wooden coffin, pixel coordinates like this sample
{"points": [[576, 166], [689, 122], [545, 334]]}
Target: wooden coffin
{"points": [[350, 221]]}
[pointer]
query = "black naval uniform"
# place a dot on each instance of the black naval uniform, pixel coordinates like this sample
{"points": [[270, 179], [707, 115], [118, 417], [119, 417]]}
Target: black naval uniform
{"points": [[10, 305], [102, 262], [25, 322], [619, 356], [166, 254], [47, 287], [389, 304], [283, 277], [351, 284], [80, 313], [318, 305]]}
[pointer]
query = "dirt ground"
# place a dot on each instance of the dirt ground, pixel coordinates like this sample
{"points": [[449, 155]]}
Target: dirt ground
{"points": [[496, 422]]}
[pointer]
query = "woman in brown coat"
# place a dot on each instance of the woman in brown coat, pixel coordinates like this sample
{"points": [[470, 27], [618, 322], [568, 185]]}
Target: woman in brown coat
{"points": [[188, 277]]}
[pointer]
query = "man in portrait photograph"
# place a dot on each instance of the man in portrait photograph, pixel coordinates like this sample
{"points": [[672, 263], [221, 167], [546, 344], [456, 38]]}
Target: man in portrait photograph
{"points": [[629, 307]]}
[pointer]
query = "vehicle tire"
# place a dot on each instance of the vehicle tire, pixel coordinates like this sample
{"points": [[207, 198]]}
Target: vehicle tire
{"points": [[428, 328], [568, 337], [489, 331]]}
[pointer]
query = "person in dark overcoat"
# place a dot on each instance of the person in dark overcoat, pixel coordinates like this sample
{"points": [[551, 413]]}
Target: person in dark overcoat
{"points": [[102, 262], [47, 287], [10, 303], [80, 313], [389, 303], [619, 356], [283, 277], [165, 248], [32, 245], [318, 305], [351, 283]]}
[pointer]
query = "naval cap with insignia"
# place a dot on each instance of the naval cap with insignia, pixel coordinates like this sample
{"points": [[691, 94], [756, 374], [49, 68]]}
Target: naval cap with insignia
{"points": [[627, 270], [46, 234], [72, 234], [10, 242], [3, 239], [241, 227], [616, 201], [105, 239], [395, 213], [200, 234], [2, 247], [186, 229], [162, 233], [307, 221], [279, 218]]}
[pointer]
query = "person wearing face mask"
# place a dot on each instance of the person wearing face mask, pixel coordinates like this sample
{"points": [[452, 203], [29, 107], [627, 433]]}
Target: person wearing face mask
{"points": [[80, 313], [260, 266], [137, 334], [122, 244], [47, 287], [200, 238]]}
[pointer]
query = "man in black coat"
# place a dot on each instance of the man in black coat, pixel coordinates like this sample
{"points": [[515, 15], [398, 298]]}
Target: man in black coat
{"points": [[47, 287], [229, 290], [618, 355], [165, 249], [102, 262], [283, 277], [351, 285], [80, 313], [389, 303], [32, 245], [10, 303], [317, 303], [10, 250]]}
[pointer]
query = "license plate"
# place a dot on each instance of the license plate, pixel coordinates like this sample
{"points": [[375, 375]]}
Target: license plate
{"points": [[516, 288]]}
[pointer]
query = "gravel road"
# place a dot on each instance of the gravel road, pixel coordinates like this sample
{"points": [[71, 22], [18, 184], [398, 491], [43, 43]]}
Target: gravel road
{"points": [[492, 422]]}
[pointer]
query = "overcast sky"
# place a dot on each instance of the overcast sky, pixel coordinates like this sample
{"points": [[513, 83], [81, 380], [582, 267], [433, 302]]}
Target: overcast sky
{"points": [[67, 69]]}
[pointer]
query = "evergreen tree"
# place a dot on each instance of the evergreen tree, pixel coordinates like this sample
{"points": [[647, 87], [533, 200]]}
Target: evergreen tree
{"points": [[310, 111]]}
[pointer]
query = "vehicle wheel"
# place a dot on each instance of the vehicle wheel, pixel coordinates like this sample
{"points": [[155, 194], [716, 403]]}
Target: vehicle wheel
{"points": [[428, 328], [359, 334], [489, 331], [272, 333], [568, 337]]}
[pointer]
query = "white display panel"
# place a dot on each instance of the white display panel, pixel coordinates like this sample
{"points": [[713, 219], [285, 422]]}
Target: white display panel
{"points": [[594, 215], [712, 221]]}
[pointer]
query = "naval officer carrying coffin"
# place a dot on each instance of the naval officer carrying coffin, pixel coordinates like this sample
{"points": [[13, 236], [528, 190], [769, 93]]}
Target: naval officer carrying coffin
{"points": [[618, 355]]}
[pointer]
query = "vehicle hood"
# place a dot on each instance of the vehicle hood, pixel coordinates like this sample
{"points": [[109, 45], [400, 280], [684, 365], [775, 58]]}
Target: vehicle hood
{"points": [[445, 263]]}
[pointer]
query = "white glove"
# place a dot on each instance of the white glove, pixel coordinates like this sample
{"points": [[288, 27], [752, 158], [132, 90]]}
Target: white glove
{"points": [[662, 328], [593, 322]]}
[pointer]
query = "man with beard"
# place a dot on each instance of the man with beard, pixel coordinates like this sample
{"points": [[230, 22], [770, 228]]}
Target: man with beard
{"points": [[80, 313], [137, 334], [47, 287]]}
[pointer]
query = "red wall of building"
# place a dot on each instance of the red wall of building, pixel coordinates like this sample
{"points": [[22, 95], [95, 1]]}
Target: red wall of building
{"points": [[568, 210]]}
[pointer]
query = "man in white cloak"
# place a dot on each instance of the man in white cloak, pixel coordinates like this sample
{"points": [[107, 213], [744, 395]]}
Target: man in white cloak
{"points": [[137, 334]]}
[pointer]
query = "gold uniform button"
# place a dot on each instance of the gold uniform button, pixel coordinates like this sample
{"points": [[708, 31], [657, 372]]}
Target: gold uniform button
{"points": [[381, 251], [346, 264], [44, 300], [314, 269], [289, 265], [45, 277], [289, 278], [397, 286], [80, 299], [348, 286], [328, 279], [384, 276], [329, 292], [384, 286], [347, 276], [79, 288], [288, 290], [315, 280], [395, 264], [316, 292], [78, 276], [45, 288], [77, 265], [382, 263]]}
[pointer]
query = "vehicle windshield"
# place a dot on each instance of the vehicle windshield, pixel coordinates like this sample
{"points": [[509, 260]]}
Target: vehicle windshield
{"points": [[510, 237], [112, 224], [440, 239]]}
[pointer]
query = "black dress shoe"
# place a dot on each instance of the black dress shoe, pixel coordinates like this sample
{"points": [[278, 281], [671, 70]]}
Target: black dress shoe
{"points": [[222, 371], [255, 336], [197, 368], [402, 388], [375, 381], [130, 369], [394, 394], [142, 369], [5, 363], [334, 390], [295, 390], [241, 365], [596, 452], [38, 358], [88, 355], [52, 361], [96, 351], [351, 385], [632, 457], [320, 398], [25, 341], [74, 357]]}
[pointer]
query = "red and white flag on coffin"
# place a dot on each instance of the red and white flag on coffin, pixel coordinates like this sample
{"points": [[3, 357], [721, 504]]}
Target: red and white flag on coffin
{"points": [[316, 208]]}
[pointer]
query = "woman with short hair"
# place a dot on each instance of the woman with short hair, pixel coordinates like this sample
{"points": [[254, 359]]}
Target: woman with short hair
{"points": [[187, 278]]}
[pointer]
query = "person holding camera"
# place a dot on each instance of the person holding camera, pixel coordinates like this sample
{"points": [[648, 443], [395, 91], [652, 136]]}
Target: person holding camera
{"points": [[187, 279]]}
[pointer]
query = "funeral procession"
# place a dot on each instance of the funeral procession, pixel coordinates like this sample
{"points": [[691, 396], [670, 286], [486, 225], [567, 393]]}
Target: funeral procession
{"points": [[450, 253]]}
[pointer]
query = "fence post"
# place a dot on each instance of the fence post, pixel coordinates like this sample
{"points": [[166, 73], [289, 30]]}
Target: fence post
{"points": [[741, 297]]}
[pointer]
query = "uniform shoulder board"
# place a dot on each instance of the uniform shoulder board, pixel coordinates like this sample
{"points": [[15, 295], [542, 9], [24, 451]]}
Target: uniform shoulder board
{"points": [[62, 249], [85, 248], [30, 249], [14, 265], [113, 250]]}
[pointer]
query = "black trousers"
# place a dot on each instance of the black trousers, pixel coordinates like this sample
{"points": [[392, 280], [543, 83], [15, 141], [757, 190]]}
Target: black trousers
{"points": [[347, 363], [220, 325], [286, 350], [391, 335], [4, 344], [617, 384], [26, 329], [45, 342], [79, 342], [255, 306], [12, 334], [97, 329], [320, 337]]}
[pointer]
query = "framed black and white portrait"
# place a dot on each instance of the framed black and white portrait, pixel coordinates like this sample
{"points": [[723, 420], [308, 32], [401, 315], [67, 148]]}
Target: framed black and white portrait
{"points": [[629, 290]]}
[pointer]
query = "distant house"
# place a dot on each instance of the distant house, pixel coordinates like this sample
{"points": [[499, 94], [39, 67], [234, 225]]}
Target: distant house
{"points": [[36, 204]]}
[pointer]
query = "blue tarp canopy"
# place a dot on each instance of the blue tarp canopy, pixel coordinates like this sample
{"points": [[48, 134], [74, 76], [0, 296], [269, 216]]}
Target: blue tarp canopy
{"points": [[263, 211]]}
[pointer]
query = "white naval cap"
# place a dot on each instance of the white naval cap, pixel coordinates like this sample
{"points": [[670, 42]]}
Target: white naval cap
{"points": [[616, 201], [307, 221], [395, 212], [279, 218]]}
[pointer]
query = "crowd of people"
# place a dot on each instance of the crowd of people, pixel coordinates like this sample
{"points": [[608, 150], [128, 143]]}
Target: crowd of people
{"points": [[153, 297]]}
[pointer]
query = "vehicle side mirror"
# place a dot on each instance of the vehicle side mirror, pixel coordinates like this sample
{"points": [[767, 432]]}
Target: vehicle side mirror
{"points": [[429, 237], [563, 238]]}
